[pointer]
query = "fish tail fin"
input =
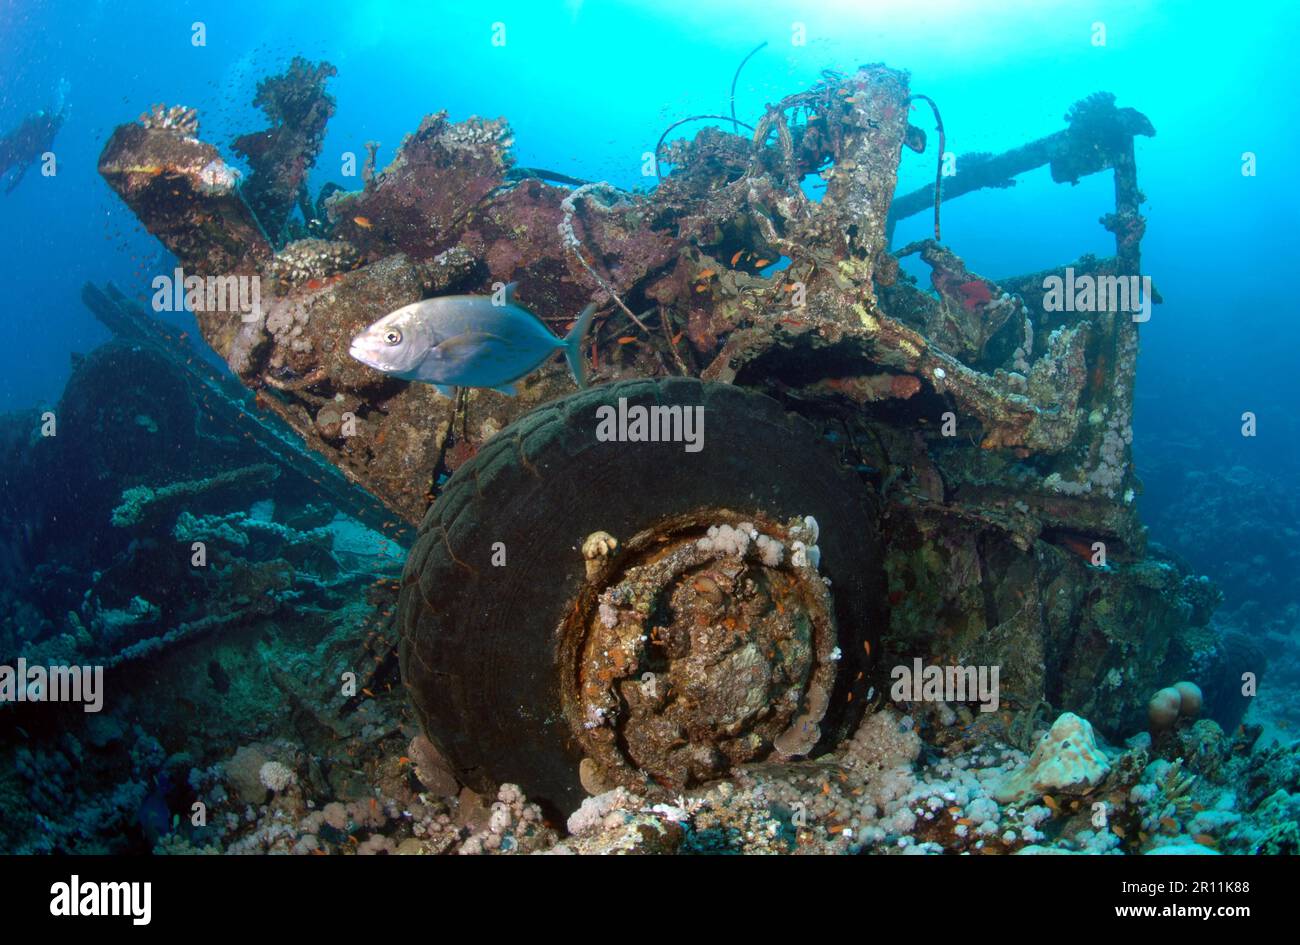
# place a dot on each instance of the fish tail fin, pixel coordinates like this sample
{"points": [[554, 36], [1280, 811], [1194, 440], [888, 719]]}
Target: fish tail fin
{"points": [[573, 345]]}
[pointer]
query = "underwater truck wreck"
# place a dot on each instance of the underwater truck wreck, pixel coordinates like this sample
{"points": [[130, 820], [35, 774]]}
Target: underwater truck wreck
{"points": [[886, 473]]}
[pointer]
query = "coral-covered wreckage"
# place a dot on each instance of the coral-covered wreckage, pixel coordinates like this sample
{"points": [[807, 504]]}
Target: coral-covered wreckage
{"points": [[991, 435]]}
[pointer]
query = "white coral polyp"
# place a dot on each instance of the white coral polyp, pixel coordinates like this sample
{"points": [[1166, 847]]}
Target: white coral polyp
{"points": [[275, 776]]}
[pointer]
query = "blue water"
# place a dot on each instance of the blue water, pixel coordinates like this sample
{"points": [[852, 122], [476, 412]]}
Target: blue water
{"points": [[588, 87]]}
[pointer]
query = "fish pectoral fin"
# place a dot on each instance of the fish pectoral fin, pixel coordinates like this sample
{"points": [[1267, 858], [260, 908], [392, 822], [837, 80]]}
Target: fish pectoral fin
{"points": [[509, 293], [465, 339], [510, 390]]}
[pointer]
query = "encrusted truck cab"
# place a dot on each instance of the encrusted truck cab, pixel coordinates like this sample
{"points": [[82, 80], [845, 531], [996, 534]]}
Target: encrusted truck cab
{"points": [[989, 426]]}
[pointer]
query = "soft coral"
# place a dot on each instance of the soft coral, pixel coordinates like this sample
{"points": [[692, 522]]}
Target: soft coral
{"points": [[974, 294]]}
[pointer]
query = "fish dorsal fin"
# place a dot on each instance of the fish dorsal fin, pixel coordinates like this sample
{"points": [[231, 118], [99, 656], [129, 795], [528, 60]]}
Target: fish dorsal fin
{"points": [[510, 292]]}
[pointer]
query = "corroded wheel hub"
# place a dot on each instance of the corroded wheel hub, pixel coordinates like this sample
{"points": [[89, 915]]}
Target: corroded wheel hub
{"points": [[703, 644]]}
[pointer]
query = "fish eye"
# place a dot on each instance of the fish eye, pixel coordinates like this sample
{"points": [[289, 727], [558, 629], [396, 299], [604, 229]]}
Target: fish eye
{"points": [[392, 337]]}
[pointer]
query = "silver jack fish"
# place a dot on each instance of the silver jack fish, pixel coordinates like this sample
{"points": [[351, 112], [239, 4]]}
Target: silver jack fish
{"points": [[468, 341]]}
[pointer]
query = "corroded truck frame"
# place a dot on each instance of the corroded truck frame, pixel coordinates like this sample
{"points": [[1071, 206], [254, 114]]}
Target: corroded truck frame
{"points": [[993, 514]]}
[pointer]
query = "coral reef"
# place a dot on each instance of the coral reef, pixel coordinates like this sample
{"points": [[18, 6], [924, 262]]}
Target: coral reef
{"points": [[141, 502], [1210, 514], [903, 784], [282, 574], [298, 108], [312, 260]]}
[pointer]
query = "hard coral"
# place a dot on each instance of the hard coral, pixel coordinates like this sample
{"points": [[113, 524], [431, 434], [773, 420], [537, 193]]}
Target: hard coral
{"points": [[1065, 761], [177, 118], [1162, 711], [299, 108]]}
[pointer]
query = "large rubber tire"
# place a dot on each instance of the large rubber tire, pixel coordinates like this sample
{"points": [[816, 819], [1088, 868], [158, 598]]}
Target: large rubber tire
{"points": [[479, 647]]}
